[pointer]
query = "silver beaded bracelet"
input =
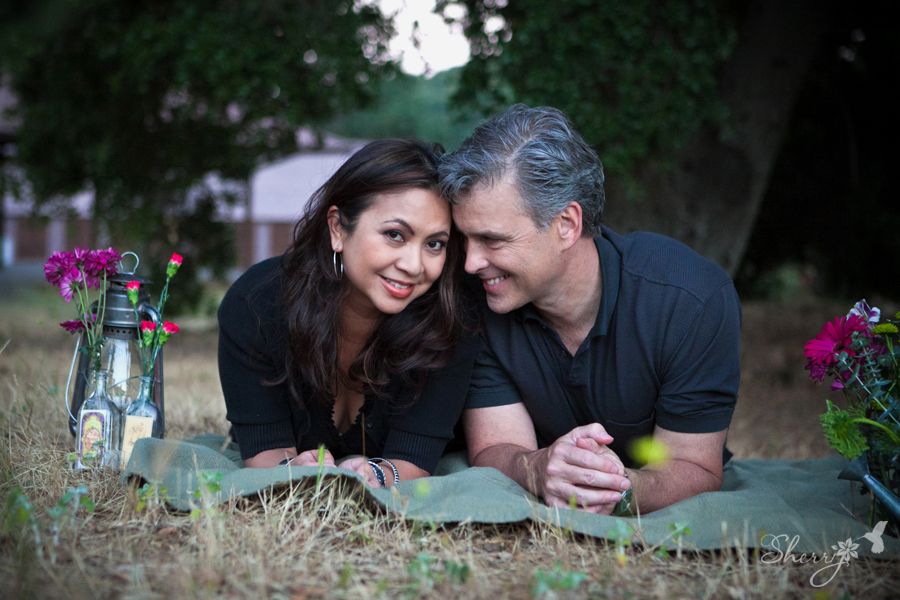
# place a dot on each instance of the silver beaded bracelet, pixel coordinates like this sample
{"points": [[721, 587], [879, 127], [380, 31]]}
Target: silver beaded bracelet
{"points": [[396, 473], [379, 473]]}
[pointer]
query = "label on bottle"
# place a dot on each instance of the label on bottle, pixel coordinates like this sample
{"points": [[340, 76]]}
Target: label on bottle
{"points": [[135, 429], [92, 443]]}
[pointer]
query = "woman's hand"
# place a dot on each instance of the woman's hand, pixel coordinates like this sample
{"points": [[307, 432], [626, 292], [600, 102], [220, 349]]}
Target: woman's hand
{"points": [[310, 458], [360, 464]]}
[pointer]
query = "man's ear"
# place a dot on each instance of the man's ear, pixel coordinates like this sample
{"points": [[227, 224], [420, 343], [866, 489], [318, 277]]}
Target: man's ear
{"points": [[335, 230], [568, 224]]}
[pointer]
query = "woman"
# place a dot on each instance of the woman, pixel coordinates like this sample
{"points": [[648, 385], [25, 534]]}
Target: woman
{"points": [[355, 338]]}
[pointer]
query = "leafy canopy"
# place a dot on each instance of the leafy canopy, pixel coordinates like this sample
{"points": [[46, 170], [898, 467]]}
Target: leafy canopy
{"points": [[637, 78]]}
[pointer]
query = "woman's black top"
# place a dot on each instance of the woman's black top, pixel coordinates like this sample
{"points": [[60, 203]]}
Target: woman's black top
{"points": [[253, 341]]}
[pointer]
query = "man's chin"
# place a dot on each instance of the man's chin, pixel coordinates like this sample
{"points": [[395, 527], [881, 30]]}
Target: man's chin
{"points": [[502, 305]]}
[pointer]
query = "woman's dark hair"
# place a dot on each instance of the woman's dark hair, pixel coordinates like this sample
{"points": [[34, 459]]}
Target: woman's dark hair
{"points": [[404, 345]]}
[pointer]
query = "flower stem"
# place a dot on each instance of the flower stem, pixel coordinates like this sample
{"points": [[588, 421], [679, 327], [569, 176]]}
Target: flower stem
{"points": [[864, 421]]}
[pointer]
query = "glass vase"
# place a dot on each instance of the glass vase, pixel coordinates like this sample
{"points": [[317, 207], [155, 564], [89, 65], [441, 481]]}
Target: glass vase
{"points": [[142, 419], [97, 439]]}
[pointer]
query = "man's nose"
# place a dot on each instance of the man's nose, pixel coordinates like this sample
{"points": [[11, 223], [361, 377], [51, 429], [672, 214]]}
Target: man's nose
{"points": [[475, 260]]}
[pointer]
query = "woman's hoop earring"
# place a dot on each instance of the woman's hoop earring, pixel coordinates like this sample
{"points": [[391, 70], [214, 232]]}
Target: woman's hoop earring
{"points": [[334, 259]]}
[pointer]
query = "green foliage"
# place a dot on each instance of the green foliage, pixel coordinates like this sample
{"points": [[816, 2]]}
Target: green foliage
{"points": [[426, 572], [412, 107], [209, 486], [637, 78], [842, 431], [547, 583], [21, 521], [139, 101], [150, 495]]}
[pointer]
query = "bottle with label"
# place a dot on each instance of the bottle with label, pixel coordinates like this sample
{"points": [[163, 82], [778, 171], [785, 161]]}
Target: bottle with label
{"points": [[97, 441], [141, 419]]}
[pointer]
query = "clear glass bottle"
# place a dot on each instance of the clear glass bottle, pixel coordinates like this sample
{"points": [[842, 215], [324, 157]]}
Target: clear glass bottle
{"points": [[141, 419], [97, 441]]}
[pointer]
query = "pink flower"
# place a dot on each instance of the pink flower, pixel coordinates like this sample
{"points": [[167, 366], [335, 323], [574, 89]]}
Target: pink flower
{"points": [[133, 288], [169, 329], [147, 330], [73, 326], [835, 337], [174, 264], [68, 287]]}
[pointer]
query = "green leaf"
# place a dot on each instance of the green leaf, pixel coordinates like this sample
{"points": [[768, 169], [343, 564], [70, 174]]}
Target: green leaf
{"points": [[845, 436]]}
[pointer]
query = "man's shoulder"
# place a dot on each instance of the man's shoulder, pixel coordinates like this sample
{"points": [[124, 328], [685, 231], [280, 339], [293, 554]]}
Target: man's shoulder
{"points": [[657, 260]]}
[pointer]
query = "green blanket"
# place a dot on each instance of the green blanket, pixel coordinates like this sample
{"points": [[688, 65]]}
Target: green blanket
{"points": [[770, 504]]}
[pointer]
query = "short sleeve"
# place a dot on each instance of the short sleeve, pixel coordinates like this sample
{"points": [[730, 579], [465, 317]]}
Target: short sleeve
{"points": [[490, 384], [701, 378], [258, 411]]}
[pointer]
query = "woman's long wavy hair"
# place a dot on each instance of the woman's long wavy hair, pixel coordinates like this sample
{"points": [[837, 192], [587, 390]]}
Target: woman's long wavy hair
{"points": [[404, 345]]}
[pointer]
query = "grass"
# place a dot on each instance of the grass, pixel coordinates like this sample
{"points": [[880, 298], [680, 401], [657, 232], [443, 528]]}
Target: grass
{"points": [[295, 543]]}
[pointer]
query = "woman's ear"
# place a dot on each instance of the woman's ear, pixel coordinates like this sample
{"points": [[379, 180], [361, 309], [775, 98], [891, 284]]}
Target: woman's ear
{"points": [[335, 229]]}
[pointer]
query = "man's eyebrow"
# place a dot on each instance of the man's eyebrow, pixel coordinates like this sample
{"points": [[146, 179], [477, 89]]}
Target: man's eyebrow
{"points": [[489, 235]]}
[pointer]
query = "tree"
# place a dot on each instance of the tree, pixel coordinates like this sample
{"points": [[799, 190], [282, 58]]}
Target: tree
{"points": [[412, 106], [139, 101], [686, 102]]}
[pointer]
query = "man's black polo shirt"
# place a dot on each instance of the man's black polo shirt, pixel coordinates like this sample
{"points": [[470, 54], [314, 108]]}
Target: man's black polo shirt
{"points": [[664, 349]]}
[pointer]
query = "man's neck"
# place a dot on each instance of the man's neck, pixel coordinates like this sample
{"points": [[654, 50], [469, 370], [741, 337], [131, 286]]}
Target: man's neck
{"points": [[572, 307]]}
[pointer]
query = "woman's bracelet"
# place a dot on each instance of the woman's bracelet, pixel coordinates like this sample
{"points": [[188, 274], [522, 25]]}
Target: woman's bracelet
{"points": [[394, 471], [379, 472]]}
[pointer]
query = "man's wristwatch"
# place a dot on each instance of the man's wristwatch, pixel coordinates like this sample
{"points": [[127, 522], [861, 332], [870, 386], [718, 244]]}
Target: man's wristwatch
{"points": [[624, 508]]}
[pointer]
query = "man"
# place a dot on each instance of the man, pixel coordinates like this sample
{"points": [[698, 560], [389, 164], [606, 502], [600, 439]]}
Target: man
{"points": [[593, 339]]}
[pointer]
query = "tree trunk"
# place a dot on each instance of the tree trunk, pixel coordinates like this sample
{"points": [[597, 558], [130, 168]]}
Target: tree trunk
{"points": [[710, 195]]}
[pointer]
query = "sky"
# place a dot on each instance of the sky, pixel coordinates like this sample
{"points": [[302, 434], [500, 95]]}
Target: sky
{"points": [[441, 47]]}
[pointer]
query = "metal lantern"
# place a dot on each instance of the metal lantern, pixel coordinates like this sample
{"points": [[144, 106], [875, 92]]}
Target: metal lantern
{"points": [[120, 353]]}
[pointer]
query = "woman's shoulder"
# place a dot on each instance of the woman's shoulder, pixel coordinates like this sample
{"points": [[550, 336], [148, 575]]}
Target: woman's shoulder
{"points": [[257, 291]]}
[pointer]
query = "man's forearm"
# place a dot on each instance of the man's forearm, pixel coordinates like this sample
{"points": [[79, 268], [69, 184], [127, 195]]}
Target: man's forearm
{"points": [[658, 487], [516, 462]]}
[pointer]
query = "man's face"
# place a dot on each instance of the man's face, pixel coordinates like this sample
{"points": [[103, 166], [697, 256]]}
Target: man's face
{"points": [[516, 262]]}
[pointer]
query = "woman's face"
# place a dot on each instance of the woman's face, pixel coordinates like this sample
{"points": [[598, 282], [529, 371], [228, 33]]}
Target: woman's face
{"points": [[396, 252]]}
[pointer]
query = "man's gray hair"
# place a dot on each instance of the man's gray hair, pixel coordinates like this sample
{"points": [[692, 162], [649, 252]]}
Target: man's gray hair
{"points": [[550, 162]]}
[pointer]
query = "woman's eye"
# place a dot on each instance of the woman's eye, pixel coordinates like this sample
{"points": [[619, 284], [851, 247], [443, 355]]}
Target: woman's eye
{"points": [[436, 245], [394, 235]]}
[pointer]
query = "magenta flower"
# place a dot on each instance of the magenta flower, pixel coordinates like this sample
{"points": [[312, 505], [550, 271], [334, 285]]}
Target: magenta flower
{"points": [[836, 336], [100, 262], [73, 326], [68, 288], [60, 265]]}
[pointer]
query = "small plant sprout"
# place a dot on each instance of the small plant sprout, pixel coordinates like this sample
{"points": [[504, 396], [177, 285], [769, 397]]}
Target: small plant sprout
{"points": [[547, 583]]}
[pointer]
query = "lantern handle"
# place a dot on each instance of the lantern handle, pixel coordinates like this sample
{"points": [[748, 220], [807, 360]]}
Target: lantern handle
{"points": [[137, 262], [69, 378]]}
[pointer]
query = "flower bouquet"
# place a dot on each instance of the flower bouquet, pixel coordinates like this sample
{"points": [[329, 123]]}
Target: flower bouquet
{"points": [[75, 274], [859, 354]]}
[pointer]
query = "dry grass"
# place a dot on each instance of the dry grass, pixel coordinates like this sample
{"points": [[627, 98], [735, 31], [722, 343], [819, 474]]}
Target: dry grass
{"points": [[297, 544]]}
